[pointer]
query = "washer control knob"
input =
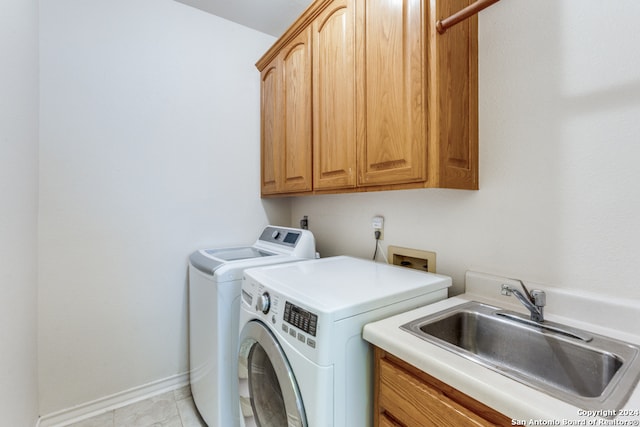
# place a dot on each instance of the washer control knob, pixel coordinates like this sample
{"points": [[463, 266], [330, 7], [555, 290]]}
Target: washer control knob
{"points": [[264, 303]]}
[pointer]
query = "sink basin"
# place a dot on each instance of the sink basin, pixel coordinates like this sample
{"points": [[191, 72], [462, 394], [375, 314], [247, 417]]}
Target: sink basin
{"points": [[584, 369]]}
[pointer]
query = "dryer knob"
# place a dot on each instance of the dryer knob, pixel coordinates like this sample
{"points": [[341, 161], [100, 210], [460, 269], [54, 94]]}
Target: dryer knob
{"points": [[264, 303]]}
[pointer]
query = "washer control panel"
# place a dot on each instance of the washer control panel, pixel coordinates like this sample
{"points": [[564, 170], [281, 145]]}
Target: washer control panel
{"points": [[281, 236]]}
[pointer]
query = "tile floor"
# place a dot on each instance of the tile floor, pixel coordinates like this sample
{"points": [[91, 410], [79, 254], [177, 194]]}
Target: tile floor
{"points": [[171, 409]]}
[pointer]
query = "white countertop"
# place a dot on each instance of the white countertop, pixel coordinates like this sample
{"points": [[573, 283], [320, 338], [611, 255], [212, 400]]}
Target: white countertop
{"points": [[613, 318]]}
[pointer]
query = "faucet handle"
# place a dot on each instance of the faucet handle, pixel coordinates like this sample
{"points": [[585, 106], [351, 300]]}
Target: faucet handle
{"points": [[506, 290], [528, 294], [534, 301], [539, 298]]}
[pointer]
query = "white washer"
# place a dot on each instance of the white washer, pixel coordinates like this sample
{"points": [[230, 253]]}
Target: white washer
{"points": [[215, 280], [301, 358]]}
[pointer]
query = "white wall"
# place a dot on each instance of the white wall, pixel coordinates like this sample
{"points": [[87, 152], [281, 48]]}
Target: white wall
{"points": [[559, 198], [18, 211], [149, 150]]}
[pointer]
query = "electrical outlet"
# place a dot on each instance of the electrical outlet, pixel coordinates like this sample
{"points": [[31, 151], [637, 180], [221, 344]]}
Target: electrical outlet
{"points": [[378, 225]]}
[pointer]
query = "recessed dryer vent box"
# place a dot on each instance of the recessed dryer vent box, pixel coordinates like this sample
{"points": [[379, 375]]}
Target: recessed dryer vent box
{"points": [[413, 258]]}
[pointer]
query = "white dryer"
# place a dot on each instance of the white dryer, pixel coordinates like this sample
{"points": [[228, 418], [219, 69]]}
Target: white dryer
{"points": [[215, 281], [301, 359]]}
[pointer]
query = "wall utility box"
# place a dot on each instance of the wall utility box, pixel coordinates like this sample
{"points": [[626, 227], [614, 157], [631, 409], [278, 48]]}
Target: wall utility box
{"points": [[412, 258]]}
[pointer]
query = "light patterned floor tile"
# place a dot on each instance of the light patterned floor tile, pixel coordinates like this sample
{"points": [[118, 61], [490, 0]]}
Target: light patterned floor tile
{"points": [[171, 422], [182, 393], [150, 412], [102, 420], [171, 409], [189, 413]]}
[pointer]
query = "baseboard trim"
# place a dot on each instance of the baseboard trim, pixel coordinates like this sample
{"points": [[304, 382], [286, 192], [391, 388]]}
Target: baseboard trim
{"points": [[104, 404]]}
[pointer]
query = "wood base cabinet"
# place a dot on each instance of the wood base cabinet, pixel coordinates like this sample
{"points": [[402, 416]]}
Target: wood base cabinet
{"points": [[385, 101], [408, 397]]}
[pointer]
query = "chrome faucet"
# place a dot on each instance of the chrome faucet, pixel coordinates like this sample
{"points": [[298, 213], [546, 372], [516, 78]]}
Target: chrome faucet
{"points": [[534, 301]]}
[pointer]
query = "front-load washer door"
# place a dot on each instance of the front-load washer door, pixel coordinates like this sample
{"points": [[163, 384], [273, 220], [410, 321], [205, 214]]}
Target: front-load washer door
{"points": [[269, 394]]}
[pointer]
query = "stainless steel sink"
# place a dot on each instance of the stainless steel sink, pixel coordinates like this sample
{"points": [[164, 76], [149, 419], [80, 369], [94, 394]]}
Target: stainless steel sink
{"points": [[587, 370]]}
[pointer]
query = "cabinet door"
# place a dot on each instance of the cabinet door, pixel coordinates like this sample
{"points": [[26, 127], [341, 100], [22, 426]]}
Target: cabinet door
{"points": [[391, 87], [334, 91], [286, 119], [296, 105], [271, 117], [455, 77]]}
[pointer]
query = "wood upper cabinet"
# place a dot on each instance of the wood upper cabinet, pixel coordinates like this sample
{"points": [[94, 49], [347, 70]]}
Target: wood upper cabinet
{"points": [[366, 95], [404, 396], [286, 119], [334, 96], [452, 93], [392, 143]]}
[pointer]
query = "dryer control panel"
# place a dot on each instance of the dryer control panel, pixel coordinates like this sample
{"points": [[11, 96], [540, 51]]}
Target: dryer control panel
{"points": [[292, 322], [301, 318]]}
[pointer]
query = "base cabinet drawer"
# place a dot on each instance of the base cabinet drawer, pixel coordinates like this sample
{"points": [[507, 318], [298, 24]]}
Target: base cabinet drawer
{"points": [[385, 421], [408, 397]]}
